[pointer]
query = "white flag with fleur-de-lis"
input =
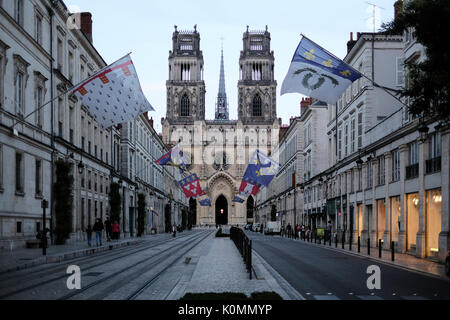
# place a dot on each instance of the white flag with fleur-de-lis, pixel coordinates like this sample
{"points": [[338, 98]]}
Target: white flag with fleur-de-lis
{"points": [[113, 95]]}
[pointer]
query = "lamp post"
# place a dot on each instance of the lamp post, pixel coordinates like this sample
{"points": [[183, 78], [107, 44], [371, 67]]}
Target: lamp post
{"points": [[44, 206], [423, 131]]}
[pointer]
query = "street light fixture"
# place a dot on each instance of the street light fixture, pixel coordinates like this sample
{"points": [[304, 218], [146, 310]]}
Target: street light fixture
{"points": [[359, 163], [80, 167], [423, 131]]}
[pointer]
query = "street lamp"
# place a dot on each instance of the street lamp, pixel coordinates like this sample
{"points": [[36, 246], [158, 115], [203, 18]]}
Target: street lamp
{"points": [[423, 131], [359, 163], [80, 167]]}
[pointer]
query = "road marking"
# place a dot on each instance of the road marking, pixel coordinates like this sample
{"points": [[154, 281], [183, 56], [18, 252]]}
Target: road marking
{"points": [[327, 297], [371, 297]]}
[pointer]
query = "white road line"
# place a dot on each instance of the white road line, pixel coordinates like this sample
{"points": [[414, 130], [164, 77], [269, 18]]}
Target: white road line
{"points": [[371, 297], [326, 297]]}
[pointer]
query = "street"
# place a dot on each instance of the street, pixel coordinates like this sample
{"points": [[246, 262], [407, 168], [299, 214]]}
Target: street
{"points": [[129, 273], [319, 273]]}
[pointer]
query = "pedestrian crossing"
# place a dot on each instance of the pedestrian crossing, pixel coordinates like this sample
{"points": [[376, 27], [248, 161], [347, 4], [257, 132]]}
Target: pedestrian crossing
{"points": [[372, 296]]}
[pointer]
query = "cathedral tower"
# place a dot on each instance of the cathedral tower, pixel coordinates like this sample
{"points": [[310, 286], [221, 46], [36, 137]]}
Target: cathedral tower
{"points": [[222, 102], [257, 87], [185, 87]]}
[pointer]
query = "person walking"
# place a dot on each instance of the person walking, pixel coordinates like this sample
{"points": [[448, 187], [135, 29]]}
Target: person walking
{"points": [[115, 230], [89, 234], [174, 230], [289, 229], [298, 230], [98, 228], [329, 228], [108, 229], [303, 232]]}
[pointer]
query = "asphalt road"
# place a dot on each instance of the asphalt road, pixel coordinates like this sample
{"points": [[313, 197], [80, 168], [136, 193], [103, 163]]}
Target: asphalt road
{"points": [[323, 274]]}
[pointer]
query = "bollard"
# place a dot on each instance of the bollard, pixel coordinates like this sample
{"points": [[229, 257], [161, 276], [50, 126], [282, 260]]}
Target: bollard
{"points": [[336, 239], [368, 246], [350, 244], [379, 249], [343, 241], [330, 239], [359, 244], [392, 251]]}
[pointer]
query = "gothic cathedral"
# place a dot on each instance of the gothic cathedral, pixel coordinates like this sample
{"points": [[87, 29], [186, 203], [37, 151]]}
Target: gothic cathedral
{"points": [[218, 150]]}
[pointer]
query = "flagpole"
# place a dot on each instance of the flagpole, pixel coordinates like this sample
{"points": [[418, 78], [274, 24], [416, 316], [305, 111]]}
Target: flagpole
{"points": [[362, 74], [65, 92]]}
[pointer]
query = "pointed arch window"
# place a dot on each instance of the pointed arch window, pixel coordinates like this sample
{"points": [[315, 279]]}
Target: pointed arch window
{"points": [[257, 106], [184, 106]]}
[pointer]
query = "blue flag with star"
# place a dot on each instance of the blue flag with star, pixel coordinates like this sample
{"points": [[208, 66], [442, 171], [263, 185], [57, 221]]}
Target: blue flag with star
{"points": [[238, 200], [318, 74], [261, 169], [206, 202]]}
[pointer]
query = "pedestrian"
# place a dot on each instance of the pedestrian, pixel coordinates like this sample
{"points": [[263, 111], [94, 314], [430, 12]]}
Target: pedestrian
{"points": [[108, 229], [288, 229], [303, 232], [174, 230], [297, 234], [329, 228], [115, 230], [89, 234], [98, 228]]}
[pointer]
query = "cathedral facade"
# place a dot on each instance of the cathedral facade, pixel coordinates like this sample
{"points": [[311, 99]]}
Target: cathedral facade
{"points": [[218, 150]]}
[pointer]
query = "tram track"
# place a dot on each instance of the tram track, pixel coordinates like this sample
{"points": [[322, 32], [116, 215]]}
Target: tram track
{"points": [[61, 269], [160, 258]]}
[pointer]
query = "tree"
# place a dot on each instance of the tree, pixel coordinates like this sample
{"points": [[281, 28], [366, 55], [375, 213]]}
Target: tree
{"points": [[428, 83], [114, 202], [141, 214], [62, 189]]}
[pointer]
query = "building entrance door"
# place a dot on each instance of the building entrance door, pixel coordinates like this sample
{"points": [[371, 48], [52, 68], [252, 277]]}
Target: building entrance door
{"points": [[221, 210]]}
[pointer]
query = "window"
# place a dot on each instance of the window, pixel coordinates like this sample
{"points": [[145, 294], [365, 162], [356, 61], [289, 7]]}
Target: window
{"points": [[400, 76], [433, 164], [39, 96], [256, 71], [18, 11], [395, 165], [352, 181], [369, 174], [19, 173], [3, 48], [353, 135], [60, 54], [38, 31], [82, 143], [413, 153], [185, 72], [71, 122], [257, 106], [71, 59], [309, 132], [20, 95], [19, 226], [38, 178], [346, 140], [360, 129], [359, 179], [340, 144], [381, 171], [89, 147], [185, 112]]}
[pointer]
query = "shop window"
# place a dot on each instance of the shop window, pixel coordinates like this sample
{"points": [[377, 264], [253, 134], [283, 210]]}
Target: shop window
{"points": [[433, 221], [412, 220]]}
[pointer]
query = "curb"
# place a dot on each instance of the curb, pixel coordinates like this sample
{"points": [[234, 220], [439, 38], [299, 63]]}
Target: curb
{"points": [[63, 256], [386, 262]]}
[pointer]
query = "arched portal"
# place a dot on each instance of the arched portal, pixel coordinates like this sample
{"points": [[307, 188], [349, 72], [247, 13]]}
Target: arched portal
{"points": [[221, 210], [250, 209]]}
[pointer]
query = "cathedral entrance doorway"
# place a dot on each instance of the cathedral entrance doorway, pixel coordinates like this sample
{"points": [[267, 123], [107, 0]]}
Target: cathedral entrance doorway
{"points": [[221, 210]]}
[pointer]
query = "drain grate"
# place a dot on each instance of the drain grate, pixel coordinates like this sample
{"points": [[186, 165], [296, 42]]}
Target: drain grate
{"points": [[93, 274]]}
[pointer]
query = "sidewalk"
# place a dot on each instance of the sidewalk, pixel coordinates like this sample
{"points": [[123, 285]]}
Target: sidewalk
{"points": [[18, 259], [220, 268], [401, 260]]}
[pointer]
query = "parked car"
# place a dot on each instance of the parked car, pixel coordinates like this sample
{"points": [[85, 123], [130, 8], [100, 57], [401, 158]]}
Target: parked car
{"points": [[248, 226], [256, 227], [447, 264]]}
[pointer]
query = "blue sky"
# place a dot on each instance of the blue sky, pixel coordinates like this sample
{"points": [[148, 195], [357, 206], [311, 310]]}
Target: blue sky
{"points": [[145, 28]]}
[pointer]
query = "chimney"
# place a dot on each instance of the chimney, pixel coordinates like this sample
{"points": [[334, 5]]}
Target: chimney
{"points": [[398, 8], [351, 43], [151, 122], [86, 25], [304, 104]]}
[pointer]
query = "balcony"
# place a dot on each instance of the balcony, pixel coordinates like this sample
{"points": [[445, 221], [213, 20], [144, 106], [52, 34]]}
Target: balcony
{"points": [[433, 165], [412, 171]]}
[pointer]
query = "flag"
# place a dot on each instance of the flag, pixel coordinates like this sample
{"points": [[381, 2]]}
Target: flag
{"points": [[114, 94], [206, 202], [237, 199], [248, 187], [173, 158], [191, 186], [318, 74], [261, 169]]}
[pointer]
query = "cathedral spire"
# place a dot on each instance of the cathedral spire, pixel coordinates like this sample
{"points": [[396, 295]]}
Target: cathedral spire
{"points": [[222, 103]]}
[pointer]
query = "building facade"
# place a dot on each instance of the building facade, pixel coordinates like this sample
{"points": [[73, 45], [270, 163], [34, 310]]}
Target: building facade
{"points": [[44, 51], [218, 151]]}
